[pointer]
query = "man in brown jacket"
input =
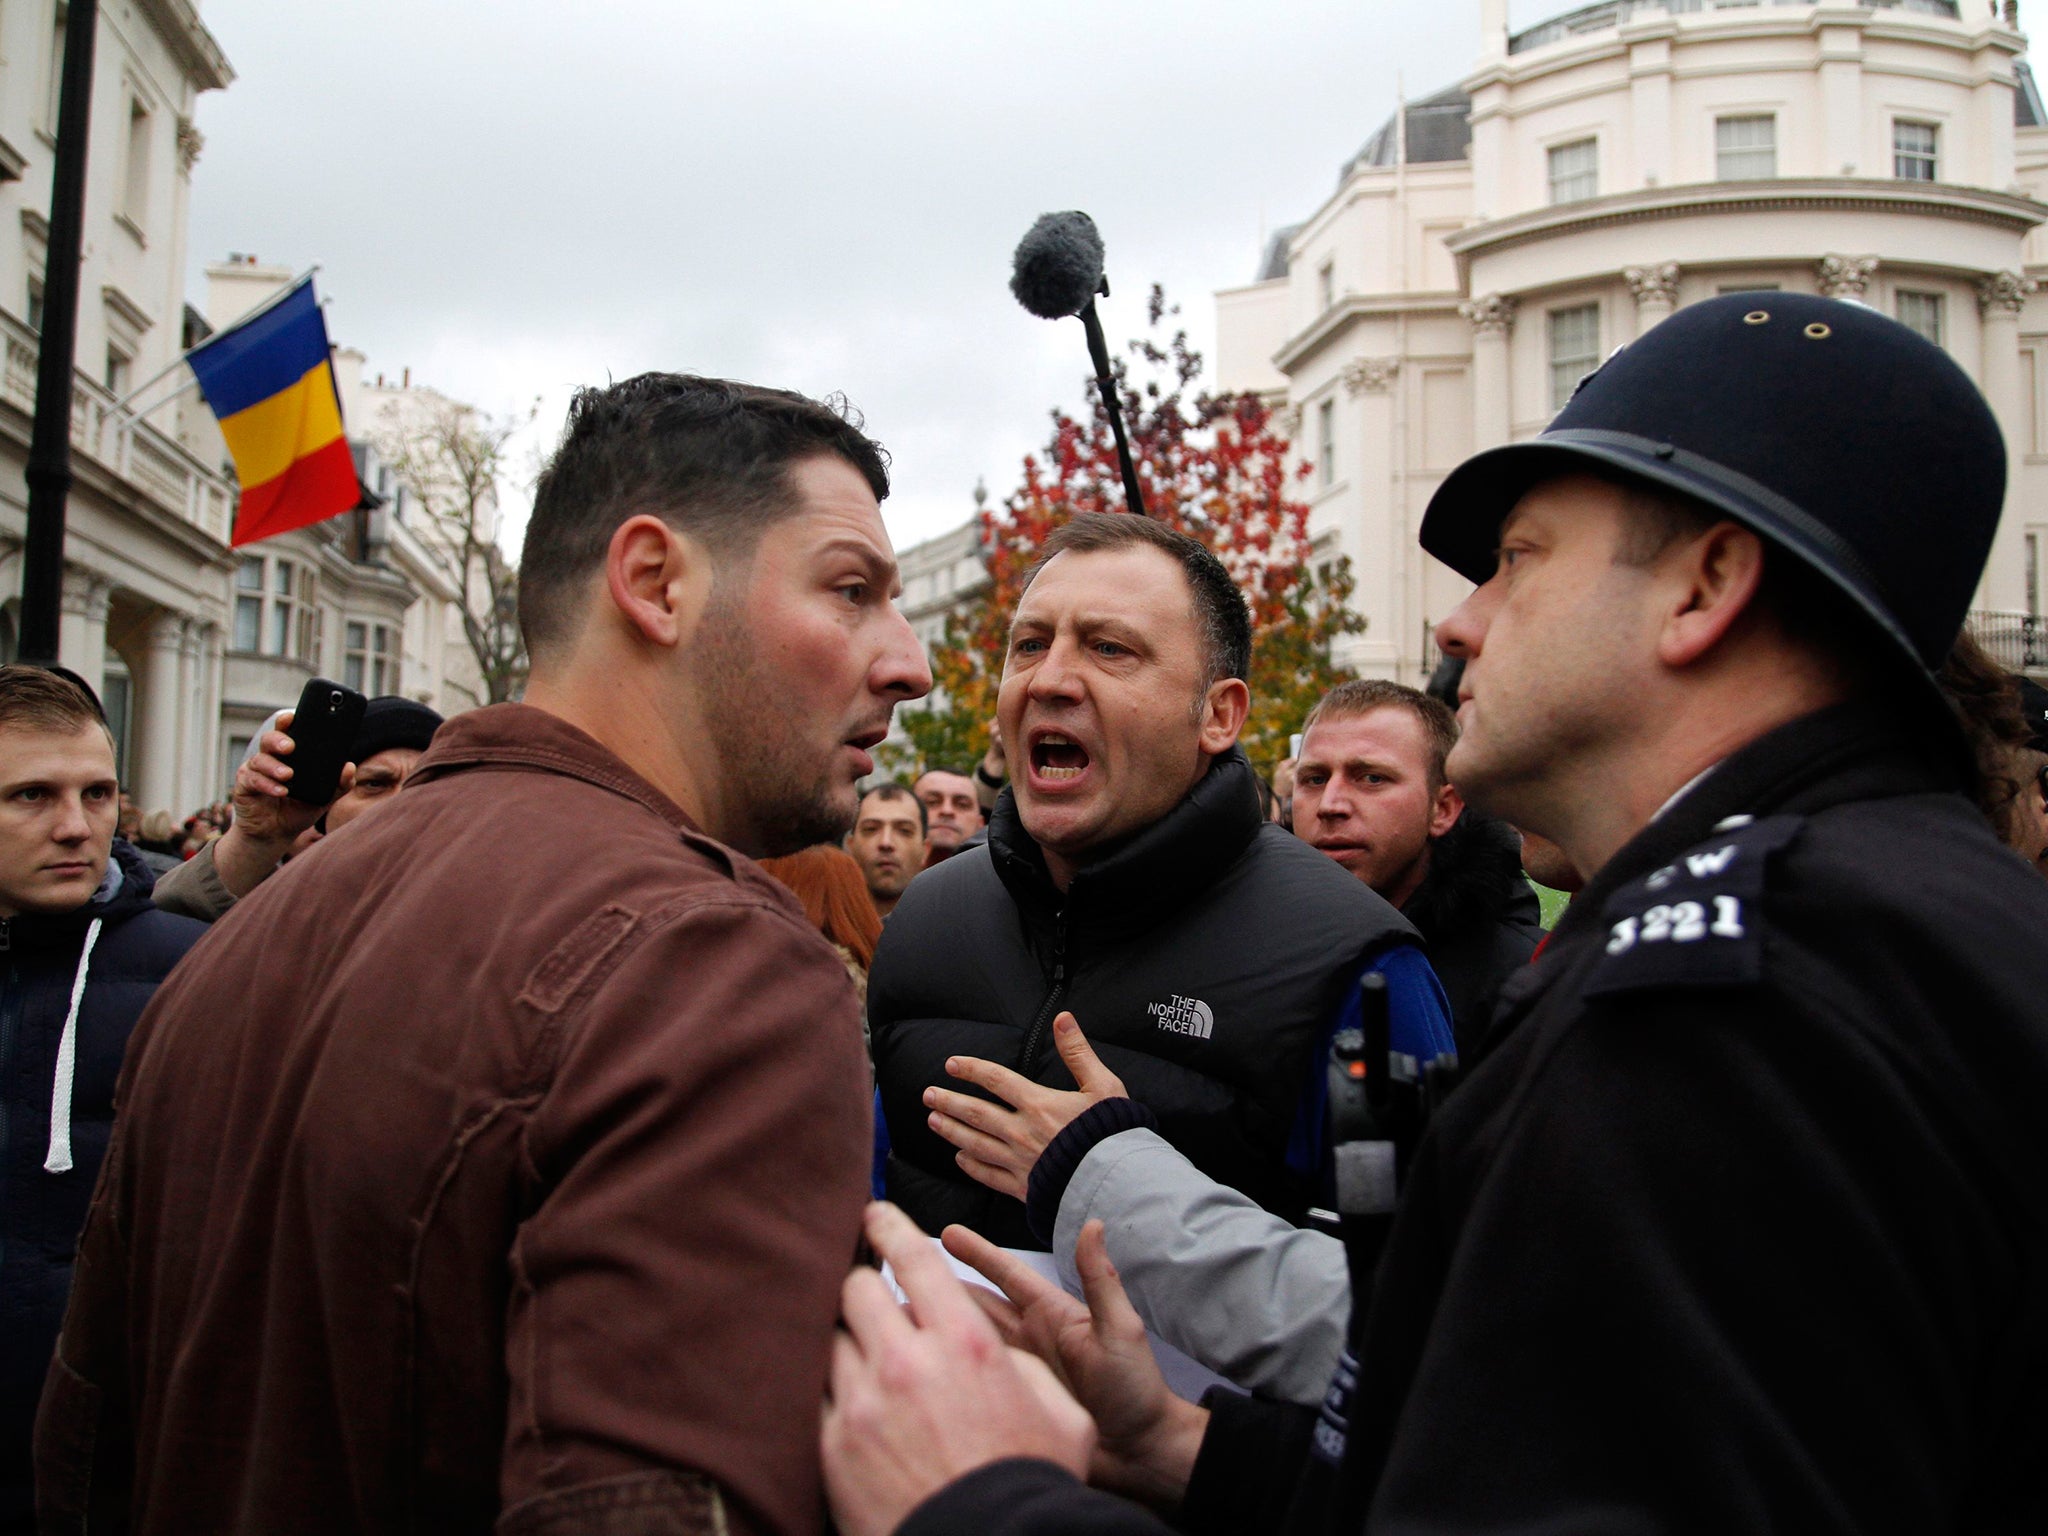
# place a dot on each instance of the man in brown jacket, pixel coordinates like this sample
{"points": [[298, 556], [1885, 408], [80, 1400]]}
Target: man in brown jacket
{"points": [[499, 1161]]}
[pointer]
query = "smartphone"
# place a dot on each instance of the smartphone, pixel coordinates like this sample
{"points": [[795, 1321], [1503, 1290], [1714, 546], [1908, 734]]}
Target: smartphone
{"points": [[323, 726]]}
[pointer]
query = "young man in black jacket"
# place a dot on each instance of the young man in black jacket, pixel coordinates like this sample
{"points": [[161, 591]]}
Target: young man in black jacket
{"points": [[1742, 1223], [1371, 792], [81, 952]]}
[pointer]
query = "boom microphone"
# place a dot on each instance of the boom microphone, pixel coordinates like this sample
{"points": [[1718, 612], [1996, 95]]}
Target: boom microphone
{"points": [[1057, 272], [1058, 268]]}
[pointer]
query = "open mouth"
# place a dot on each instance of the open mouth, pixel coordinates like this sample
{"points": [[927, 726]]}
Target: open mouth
{"points": [[1058, 759]]}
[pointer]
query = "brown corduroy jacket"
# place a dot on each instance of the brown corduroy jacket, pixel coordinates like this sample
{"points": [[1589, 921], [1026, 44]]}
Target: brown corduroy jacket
{"points": [[496, 1163]]}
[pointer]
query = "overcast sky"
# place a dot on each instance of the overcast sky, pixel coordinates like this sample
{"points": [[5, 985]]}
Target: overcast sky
{"points": [[514, 197]]}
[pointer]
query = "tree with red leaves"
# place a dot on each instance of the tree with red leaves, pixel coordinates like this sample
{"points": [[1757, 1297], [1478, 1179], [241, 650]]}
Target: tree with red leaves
{"points": [[1211, 466]]}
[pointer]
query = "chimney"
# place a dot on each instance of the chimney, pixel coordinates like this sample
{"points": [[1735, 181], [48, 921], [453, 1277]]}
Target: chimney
{"points": [[405, 379], [1493, 29]]}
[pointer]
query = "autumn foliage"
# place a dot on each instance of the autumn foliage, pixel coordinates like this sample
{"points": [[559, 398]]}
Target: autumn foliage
{"points": [[1212, 466]]}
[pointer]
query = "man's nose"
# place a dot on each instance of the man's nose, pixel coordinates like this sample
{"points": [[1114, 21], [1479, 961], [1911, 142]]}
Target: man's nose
{"points": [[903, 671], [1463, 631], [1057, 675], [73, 825]]}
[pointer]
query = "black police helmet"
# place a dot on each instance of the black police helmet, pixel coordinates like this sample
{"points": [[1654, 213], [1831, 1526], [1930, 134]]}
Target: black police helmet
{"points": [[1845, 439]]}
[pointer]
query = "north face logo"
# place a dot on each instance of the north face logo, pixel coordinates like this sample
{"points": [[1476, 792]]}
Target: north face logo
{"points": [[1184, 1016]]}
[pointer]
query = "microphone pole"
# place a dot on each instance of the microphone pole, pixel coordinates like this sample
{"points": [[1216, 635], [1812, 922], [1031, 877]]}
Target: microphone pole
{"points": [[1105, 381]]}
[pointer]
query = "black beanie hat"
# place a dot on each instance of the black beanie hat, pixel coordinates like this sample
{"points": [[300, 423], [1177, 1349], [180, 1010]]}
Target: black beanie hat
{"points": [[390, 722]]}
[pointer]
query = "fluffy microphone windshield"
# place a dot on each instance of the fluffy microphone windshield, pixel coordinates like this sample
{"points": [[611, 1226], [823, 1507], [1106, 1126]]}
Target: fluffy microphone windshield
{"points": [[1059, 265]]}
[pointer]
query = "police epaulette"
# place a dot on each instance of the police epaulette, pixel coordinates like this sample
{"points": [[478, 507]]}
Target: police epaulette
{"points": [[1696, 922]]}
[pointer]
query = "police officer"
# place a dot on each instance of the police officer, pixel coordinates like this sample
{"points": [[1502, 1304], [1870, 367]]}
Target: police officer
{"points": [[1740, 1221]]}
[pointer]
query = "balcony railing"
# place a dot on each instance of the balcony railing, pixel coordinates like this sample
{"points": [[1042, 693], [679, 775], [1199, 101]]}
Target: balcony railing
{"points": [[2015, 641], [1613, 13], [131, 449]]}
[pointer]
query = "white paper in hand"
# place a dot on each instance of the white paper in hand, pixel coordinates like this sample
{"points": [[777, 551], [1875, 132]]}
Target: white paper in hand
{"points": [[1186, 1376]]}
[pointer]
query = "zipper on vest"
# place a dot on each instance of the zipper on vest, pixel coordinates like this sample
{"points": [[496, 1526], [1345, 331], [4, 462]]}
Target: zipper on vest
{"points": [[1034, 1041]]}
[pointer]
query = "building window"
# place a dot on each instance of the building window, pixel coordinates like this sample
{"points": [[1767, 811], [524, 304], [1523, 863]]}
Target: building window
{"points": [[1574, 349], [1745, 148], [369, 662], [1921, 312], [1575, 171], [55, 83], [274, 609], [1326, 444], [1326, 283], [35, 305], [1915, 151], [355, 654], [135, 183], [248, 608], [118, 372]]}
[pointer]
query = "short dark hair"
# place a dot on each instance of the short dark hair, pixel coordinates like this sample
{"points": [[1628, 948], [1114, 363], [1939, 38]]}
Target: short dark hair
{"points": [[890, 789], [1220, 612], [1808, 609], [38, 699], [709, 457], [1361, 696]]}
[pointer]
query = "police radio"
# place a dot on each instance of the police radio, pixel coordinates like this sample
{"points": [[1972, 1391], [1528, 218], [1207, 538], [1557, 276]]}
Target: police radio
{"points": [[1381, 1101]]}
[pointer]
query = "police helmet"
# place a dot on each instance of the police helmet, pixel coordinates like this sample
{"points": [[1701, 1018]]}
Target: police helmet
{"points": [[1845, 439]]}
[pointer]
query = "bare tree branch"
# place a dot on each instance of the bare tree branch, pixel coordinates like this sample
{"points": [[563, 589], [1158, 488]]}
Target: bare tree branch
{"points": [[450, 458]]}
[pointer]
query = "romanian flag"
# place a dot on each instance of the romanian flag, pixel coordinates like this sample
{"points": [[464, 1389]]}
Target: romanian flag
{"points": [[271, 384]]}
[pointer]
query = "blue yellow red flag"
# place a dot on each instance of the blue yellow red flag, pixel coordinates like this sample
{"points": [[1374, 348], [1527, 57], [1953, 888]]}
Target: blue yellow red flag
{"points": [[271, 384]]}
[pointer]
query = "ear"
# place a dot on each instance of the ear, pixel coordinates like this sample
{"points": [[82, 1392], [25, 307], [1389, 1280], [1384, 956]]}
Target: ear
{"points": [[1223, 713], [1444, 814], [1714, 580], [657, 579]]}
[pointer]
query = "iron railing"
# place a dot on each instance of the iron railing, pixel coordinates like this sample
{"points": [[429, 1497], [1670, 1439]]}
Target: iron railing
{"points": [[1612, 13], [2016, 641]]}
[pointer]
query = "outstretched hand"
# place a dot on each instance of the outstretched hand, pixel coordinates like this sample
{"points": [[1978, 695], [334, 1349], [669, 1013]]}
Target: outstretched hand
{"points": [[999, 1143], [926, 1393], [1098, 1348]]}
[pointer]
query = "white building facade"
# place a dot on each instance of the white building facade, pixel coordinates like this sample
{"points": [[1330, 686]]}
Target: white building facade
{"points": [[190, 643], [146, 580], [1493, 243]]}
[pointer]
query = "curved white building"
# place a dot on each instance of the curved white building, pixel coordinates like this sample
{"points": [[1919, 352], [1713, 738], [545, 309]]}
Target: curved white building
{"points": [[1495, 241]]}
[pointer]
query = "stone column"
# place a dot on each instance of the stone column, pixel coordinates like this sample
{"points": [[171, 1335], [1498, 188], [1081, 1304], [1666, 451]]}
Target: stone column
{"points": [[82, 625], [1493, 317], [190, 712], [2002, 296], [1656, 291], [153, 752], [1846, 277]]}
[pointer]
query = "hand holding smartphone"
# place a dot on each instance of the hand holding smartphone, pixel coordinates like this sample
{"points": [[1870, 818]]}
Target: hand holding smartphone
{"points": [[324, 724]]}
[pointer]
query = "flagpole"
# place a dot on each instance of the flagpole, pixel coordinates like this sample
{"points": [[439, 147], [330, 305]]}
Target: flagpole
{"points": [[49, 459], [177, 362]]}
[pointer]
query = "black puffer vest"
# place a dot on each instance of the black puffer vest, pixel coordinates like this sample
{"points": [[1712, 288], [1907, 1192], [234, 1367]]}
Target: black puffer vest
{"points": [[1204, 959]]}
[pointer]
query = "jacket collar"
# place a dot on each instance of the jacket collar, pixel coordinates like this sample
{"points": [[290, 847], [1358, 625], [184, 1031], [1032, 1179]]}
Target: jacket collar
{"points": [[1475, 877], [520, 736], [1155, 869], [123, 891], [1853, 751]]}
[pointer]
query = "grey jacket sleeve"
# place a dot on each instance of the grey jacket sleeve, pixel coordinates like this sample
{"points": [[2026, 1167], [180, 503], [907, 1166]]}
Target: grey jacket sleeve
{"points": [[1253, 1297], [194, 889]]}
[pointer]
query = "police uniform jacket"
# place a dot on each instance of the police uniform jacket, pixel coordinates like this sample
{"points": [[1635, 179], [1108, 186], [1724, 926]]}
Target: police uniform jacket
{"points": [[1742, 1223]]}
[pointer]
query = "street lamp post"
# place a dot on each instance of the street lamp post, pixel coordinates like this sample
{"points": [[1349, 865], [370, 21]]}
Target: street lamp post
{"points": [[49, 455]]}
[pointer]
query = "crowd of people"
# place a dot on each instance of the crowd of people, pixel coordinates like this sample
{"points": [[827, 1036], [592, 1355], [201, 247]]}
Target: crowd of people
{"points": [[593, 1118]]}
